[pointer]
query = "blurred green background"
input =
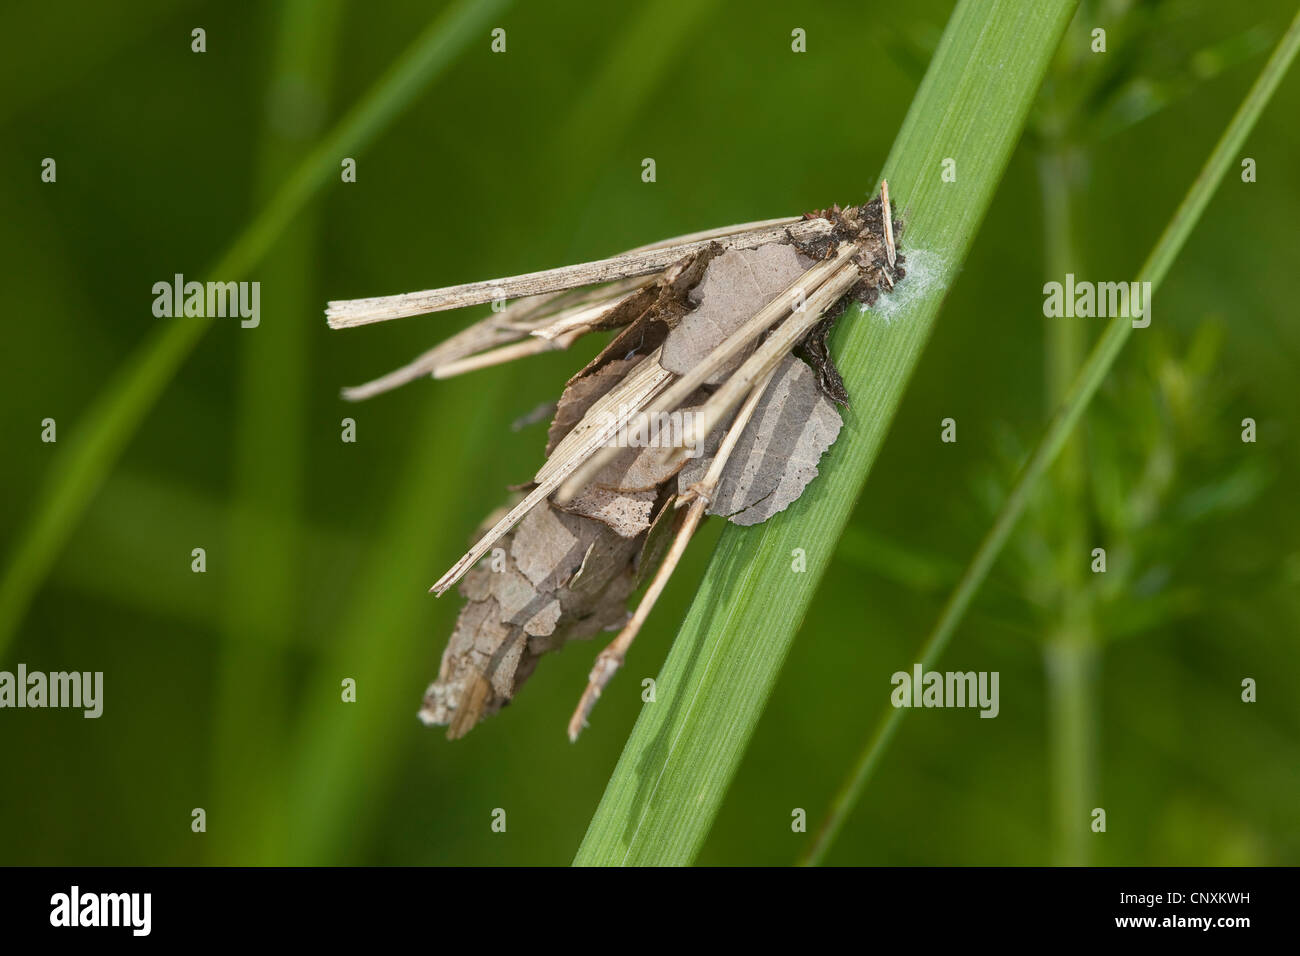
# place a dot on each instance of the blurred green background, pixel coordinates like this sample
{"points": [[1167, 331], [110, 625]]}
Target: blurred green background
{"points": [[222, 690]]}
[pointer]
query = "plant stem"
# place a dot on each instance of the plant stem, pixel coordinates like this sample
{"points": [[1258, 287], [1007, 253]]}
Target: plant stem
{"points": [[1070, 648], [264, 550], [1070, 661]]}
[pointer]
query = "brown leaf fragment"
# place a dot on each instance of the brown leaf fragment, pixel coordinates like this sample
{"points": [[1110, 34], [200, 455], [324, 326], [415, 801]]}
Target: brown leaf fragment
{"points": [[661, 307], [627, 513], [623, 495], [777, 454], [523, 605], [515, 615], [608, 612], [658, 538], [543, 623], [643, 468], [608, 555], [629, 308], [664, 305], [482, 657], [735, 286], [549, 545], [581, 393], [477, 585]]}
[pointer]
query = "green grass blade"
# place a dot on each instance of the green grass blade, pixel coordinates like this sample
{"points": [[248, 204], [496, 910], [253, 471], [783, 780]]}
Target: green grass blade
{"points": [[684, 750], [1084, 387], [119, 411]]}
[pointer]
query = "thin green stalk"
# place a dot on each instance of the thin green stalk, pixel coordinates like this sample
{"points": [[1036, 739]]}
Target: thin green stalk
{"points": [[1085, 385], [264, 552], [1070, 649], [1070, 660], [119, 411], [971, 107]]}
